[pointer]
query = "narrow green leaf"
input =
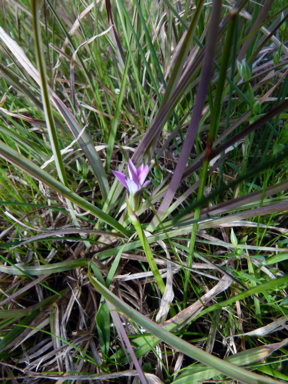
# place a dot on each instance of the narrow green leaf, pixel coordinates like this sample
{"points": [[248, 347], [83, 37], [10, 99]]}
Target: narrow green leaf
{"points": [[277, 258], [44, 269], [103, 327], [36, 172], [199, 373], [224, 367], [114, 267], [113, 131], [252, 291], [35, 6], [15, 332]]}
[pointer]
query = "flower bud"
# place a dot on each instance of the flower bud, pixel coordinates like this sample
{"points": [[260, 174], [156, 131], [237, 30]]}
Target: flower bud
{"points": [[276, 58], [244, 70], [257, 107], [283, 26]]}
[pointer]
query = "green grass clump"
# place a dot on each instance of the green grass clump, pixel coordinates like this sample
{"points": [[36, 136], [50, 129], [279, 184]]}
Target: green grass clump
{"points": [[185, 280]]}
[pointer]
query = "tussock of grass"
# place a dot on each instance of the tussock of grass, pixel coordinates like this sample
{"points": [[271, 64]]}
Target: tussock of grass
{"points": [[197, 91]]}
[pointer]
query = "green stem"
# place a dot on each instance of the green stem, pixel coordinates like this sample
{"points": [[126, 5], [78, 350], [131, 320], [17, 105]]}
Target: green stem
{"points": [[153, 266]]}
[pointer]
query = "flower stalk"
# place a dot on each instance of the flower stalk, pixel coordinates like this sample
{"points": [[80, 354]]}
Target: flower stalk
{"points": [[134, 183], [150, 258]]}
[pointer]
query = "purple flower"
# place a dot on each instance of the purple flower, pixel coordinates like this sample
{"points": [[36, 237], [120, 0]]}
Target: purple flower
{"points": [[136, 180]]}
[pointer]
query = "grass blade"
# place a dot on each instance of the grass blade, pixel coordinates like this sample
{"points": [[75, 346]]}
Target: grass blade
{"points": [[228, 369], [37, 173]]}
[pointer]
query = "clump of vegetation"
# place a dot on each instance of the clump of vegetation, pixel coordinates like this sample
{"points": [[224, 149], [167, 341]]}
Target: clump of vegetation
{"points": [[176, 275]]}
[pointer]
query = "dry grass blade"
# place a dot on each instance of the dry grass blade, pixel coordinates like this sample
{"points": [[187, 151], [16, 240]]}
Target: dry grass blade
{"points": [[23, 117], [36, 172], [62, 232], [258, 22], [200, 373], [275, 326], [196, 115], [152, 379], [73, 61], [23, 290], [74, 126], [78, 314], [124, 335], [195, 309], [228, 369]]}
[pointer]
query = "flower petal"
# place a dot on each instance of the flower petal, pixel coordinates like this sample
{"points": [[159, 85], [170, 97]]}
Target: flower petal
{"points": [[146, 184], [140, 170], [121, 177], [133, 172], [143, 174], [132, 186]]}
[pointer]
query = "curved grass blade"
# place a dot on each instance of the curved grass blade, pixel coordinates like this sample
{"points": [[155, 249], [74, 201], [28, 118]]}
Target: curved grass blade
{"points": [[28, 166], [195, 119], [64, 232], [144, 344], [15, 332], [200, 373], [153, 80], [211, 137], [84, 141], [35, 4], [178, 93], [186, 45], [17, 313], [252, 291], [116, 115], [44, 269], [53, 136], [160, 332]]}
